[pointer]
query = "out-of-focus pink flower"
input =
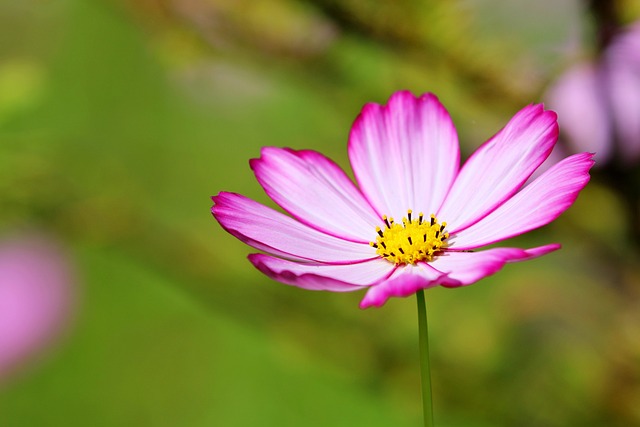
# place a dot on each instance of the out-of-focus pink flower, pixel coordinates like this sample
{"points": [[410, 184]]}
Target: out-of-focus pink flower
{"points": [[598, 103], [35, 293], [405, 157], [622, 62]]}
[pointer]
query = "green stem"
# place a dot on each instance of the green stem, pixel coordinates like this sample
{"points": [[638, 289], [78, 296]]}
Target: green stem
{"points": [[425, 371]]}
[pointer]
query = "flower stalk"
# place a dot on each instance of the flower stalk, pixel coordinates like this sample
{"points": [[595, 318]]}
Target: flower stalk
{"points": [[425, 370]]}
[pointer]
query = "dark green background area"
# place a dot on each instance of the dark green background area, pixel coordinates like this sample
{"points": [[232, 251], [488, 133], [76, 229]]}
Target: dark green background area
{"points": [[119, 120]]}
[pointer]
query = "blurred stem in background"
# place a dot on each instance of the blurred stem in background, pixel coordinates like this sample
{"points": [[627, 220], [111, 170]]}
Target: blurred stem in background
{"points": [[620, 176], [607, 20]]}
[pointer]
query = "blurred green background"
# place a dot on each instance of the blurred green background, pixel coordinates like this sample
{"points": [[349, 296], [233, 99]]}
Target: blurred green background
{"points": [[118, 121]]}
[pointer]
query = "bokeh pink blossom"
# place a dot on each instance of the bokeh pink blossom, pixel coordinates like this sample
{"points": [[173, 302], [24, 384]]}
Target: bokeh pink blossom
{"points": [[35, 299], [598, 102]]}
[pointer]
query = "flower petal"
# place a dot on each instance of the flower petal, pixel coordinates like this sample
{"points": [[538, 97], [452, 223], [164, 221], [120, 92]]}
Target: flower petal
{"points": [[625, 104], [275, 233], [499, 167], [404, 155], [578, 98], [317, 192], [323, 277], [535, 205], [622, 64], [36, 298], [404, 281], [466, 268]]}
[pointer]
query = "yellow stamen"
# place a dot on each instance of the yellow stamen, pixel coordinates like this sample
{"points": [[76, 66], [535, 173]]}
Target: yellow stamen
{"points": [[412, 241]]}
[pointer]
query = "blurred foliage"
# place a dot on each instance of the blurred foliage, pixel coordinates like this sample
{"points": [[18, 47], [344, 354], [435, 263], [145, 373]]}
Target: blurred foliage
{"points": [[118, 120]]}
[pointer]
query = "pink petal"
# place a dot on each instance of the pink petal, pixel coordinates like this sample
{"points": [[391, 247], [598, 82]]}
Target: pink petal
{"points": [[35, 298], [317, 192], [273, 232], [323, 277], [405, 280], [499, 167], [578, 98], [404, 155], [466, 268], [625, 104], [535, 205], [622, 64]]}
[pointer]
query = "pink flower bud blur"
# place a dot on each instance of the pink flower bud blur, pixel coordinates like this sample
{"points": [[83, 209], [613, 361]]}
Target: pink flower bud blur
{"points": [[622, 62], [598, 103], [577, 97], [35, 296]]}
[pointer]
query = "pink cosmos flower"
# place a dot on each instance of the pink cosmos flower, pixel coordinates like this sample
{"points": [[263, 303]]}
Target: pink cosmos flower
{"points": [[416, 219], [34, 298], [599, 102]]}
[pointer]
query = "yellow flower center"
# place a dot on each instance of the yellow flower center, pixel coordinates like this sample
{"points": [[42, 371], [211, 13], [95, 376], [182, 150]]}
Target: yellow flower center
{"points": [[412, 241]]}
